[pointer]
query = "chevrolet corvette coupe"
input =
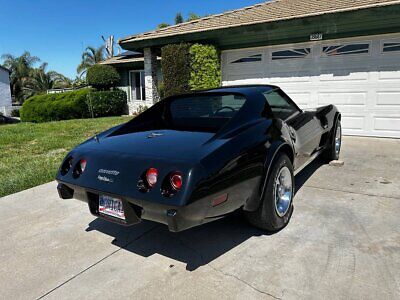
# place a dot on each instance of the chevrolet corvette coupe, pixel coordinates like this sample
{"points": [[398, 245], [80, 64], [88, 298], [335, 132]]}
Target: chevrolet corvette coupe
{"points": [[194, 158]]}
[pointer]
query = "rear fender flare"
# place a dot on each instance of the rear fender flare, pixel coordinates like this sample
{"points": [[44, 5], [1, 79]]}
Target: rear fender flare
{"points": [[274, 150]]}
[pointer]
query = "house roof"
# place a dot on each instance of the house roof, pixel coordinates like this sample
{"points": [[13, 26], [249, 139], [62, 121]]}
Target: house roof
{"points": [[5, 69], [123, 59], [271, 11]]}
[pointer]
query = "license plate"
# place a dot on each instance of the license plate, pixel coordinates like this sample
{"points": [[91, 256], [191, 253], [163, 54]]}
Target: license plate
{"points": [[111, 207]]}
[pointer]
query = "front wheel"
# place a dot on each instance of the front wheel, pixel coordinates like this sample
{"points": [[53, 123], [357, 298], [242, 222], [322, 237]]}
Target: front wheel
{"points": [[277, 205]]}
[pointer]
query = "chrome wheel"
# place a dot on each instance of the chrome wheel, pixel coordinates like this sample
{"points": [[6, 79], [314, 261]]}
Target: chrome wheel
{"points": [[283, 191], [338, 139]]}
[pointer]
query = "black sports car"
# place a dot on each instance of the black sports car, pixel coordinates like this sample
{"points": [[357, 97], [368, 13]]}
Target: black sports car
{"points": [[194, 158]]}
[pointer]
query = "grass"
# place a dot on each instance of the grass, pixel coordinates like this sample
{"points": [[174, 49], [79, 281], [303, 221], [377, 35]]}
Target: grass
{"points": [[30, 154]]}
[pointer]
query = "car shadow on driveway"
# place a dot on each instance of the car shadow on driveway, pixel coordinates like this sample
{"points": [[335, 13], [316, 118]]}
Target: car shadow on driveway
{"points": [[194, 247]]}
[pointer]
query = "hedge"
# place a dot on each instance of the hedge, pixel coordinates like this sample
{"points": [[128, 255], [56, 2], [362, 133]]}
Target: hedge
{"points": [[175, 64], [54, 107], [73, 105], [205, 67], [102, 77], [107, 103], [188, 67]]}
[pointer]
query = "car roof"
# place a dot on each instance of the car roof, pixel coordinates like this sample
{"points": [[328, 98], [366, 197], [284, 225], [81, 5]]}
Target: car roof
{"points": [[241, 89], [246, 90]]}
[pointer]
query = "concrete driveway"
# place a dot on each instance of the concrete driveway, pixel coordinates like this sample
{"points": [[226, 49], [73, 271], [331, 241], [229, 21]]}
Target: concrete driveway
{"points": [[343, 242]]}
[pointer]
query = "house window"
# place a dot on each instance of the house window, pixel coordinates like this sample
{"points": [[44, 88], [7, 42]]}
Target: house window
{"points": [[345, 49], [250, 58], [291, 53], [136, 80], [391, 47]]}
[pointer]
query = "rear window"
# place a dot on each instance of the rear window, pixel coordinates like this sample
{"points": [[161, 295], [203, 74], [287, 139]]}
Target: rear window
{"points": [[205, 112]]}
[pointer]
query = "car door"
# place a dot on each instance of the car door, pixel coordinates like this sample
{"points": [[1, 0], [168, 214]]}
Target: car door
{"points": [[304, 128]]}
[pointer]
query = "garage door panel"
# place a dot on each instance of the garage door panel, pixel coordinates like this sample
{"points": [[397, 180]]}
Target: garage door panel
{"points": [[303, 100], [387, 123], [335, 75], [343, 99], [246, 77], [353, 123], [389, 75], [387, 100], [292, 78]]}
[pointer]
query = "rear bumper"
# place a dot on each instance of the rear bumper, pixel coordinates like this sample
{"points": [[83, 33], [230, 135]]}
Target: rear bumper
{"points": [[176, 218]]}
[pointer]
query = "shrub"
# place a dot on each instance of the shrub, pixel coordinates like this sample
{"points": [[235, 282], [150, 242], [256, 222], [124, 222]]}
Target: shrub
{"points": [[15, 113], [54, 107], [175, 66], [107, 103], [102, 77], [80, 104], [161, 89], [141, 109], [205, 67], [189, 67]]}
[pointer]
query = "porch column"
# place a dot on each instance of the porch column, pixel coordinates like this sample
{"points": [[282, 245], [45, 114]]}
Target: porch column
{"points": [[150, 74]]}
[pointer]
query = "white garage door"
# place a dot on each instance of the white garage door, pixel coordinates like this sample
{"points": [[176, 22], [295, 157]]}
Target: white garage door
{"points": [[361, 76]]}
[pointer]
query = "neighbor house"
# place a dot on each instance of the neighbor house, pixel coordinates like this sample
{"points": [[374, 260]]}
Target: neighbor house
{"points": [[343, 52], [5, 92]]}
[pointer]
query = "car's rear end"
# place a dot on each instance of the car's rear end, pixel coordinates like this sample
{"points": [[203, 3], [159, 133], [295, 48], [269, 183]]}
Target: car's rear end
{"points": [[151, 168]]}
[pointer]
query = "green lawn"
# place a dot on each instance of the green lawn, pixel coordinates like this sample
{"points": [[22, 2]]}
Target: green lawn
{"points": [[31, 153]]}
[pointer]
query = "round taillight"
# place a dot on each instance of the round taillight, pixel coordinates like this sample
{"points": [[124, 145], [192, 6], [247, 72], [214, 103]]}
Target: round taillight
{"points": [[151, 176], [66, 166], [82, 164], [176, 181]]}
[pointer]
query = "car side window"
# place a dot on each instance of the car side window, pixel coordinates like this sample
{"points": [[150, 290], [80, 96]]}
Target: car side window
{"points": [[281, 106]]}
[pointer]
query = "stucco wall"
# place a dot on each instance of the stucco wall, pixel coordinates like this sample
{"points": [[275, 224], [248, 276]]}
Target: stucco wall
{"points": [[5, 93]]}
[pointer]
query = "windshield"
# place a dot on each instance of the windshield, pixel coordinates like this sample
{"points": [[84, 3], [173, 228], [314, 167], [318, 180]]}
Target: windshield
{"points": [[204, 112]]}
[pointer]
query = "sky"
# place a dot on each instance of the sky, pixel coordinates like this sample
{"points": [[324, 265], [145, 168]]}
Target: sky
{"points": [[59, 31]]}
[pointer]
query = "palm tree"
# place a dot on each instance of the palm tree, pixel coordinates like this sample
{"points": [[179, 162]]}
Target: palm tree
{"points": [[20, 67], [40, 80], [90, 57]]}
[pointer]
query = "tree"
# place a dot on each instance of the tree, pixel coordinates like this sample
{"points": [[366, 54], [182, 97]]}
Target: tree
{"points": [[162, 25], [20, 67], [40, 80], [178, 18], [90, 57], [193, 16], [102, 77]]}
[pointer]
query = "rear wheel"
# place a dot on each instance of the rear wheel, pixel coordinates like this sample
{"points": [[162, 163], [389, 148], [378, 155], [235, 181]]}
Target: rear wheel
{"points": [[333, 151], [277, 205]]}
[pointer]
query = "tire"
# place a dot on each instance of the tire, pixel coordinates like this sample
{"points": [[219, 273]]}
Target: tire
{"points": [[333, 150], [270, 216]]}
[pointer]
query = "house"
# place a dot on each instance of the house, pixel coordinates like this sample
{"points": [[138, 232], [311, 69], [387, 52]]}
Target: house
{"points": [[319, 51], [5, 92]]}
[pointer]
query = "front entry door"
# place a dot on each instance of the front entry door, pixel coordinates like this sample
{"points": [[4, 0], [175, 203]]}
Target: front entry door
{"points": [[136, 80]]}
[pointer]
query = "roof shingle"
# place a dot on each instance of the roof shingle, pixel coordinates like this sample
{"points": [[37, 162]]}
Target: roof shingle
{"points": [[270, 11]]}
